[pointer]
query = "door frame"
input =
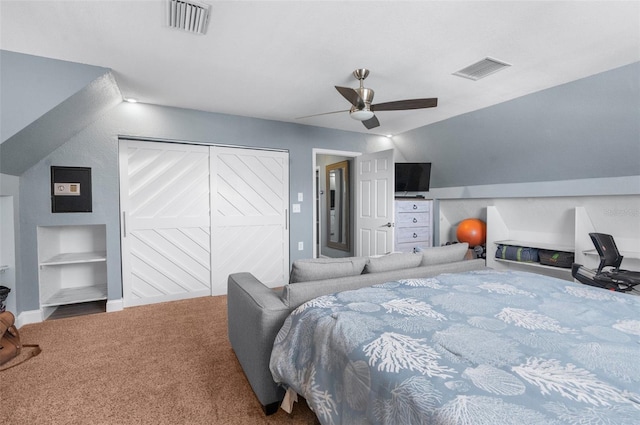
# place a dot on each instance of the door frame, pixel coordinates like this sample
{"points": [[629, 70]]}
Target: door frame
{"points": [[315, 153]]}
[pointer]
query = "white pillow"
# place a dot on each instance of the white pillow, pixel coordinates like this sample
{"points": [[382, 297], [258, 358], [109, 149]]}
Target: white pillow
{"points": [[325, 268], [444, 254], [392, 262]]}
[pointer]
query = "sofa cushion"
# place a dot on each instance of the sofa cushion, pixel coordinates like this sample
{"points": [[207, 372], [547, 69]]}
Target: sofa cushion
{"points": [[392, 262], [443, 254], [325, 268]]}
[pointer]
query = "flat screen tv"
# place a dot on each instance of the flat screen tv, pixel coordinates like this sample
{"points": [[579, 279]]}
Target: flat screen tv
{"points": [[413, 176]]}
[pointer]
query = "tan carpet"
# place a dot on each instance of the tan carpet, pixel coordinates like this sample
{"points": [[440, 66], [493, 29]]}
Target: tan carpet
{"points": [[167, 363]]}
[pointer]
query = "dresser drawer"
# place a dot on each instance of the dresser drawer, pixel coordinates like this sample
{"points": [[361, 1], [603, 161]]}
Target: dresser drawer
{"points": [[409, 247], [415, 234], [413, 219], [413, 206]]}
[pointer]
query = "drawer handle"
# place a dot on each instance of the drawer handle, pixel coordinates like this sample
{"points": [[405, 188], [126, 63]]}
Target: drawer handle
{"points": [[415, 236], [415, 207], [415, 220]]}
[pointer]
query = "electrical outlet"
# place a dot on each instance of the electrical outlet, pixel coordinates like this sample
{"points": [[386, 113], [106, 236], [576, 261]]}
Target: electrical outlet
{"points": [[295, 208], [300, 246]]}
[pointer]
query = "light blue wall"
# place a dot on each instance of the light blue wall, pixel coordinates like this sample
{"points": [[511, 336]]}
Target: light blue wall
{"points": [[589, 128], [97, 147], [572, 139], [33, 85]]}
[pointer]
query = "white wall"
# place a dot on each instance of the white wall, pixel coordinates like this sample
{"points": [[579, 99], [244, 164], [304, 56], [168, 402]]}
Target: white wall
{"points": [[9, 227]]}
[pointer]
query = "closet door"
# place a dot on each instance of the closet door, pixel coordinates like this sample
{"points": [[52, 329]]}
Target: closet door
{"points": [[165, 228], [249, 215]]}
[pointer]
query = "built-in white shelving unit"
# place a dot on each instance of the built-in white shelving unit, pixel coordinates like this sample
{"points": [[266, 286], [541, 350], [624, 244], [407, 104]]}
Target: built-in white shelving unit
{"points": [[511, 227], [72, 263], [551, 223]]}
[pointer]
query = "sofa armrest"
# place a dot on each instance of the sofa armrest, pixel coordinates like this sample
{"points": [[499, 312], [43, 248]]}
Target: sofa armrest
{"points": [[255, 315]]}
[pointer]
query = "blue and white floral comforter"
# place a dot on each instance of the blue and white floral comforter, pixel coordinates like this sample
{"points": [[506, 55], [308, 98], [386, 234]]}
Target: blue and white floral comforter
{"points": [[482, 347]]}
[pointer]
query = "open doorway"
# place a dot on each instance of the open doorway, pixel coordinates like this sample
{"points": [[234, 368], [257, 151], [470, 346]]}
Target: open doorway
{"points": [[322, 206]]}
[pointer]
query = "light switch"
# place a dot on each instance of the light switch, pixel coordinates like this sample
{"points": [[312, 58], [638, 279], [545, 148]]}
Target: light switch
{"points": [[300, 246], [300, 197], [295, 208]]}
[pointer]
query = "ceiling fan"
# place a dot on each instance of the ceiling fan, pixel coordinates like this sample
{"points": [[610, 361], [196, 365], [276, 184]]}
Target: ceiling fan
{"points": [[363, 110]]}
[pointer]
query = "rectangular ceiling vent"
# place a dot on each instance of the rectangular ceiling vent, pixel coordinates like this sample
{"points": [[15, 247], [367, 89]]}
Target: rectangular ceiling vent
{"points": [[481, 69], [191, 16]]}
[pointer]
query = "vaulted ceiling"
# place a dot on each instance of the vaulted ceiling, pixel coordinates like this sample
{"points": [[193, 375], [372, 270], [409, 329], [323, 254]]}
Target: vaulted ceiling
{"points": [[281, 60]]}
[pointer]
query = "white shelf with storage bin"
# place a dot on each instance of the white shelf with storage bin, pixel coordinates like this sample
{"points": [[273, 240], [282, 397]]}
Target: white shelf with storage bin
{"points": [[525, 228], [72, 264], [413, 224], [563, 225]]}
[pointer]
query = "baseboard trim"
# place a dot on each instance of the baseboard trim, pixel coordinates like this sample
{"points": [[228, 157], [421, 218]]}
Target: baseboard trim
{"points": [[37, 316], [115, 305], [27, 317]]}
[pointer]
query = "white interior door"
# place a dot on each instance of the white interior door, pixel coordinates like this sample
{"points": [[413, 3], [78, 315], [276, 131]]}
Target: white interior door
{"points": [[249, 215], [375, 177], [165, 229]]}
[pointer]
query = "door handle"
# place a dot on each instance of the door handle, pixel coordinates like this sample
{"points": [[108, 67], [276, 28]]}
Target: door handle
{"points": [[387, 225]]}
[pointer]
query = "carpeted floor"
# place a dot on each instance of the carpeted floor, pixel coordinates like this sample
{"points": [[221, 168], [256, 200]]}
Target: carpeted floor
{"points": [[167, 363]]}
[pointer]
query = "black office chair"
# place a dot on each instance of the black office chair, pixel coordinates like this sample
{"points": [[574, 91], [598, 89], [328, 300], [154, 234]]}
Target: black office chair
{"points": [[613, 278]]}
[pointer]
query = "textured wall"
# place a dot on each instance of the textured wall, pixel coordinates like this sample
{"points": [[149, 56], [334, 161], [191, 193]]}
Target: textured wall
{"points": [[32, 86], [581, 133], [588, 128], [97, 147]]}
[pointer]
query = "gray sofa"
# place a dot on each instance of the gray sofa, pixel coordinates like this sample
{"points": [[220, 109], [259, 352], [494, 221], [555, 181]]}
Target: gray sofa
{"points": [[256, 312]]}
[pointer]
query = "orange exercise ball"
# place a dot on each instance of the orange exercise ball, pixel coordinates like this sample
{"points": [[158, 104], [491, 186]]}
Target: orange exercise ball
{"points": [[473, 231]]}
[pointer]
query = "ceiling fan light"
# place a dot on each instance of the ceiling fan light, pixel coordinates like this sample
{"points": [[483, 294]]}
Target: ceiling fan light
{"points": [[362, 115]]}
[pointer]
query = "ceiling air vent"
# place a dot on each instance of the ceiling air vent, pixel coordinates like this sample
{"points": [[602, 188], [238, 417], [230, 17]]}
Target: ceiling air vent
{"points": [[481, 69], [191, 16]]}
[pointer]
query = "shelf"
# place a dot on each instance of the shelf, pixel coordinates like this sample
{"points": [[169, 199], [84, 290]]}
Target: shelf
{"points": [[75, 258], [534, 264], [80, 294], [72, 262], [538, 245], [625, 254]]}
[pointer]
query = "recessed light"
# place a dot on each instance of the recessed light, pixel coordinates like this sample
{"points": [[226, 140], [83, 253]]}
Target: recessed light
{"points": [[389, 136], [131, 100]]}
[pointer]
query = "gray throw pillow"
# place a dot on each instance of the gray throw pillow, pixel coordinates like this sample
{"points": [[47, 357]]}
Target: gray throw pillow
{"points": [[444, 254], [392, 262], [325, 268]]}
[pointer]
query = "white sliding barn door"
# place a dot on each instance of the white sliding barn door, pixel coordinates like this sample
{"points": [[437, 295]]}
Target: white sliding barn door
{"points": [[375, 177], [165, 228], [249, 215]]}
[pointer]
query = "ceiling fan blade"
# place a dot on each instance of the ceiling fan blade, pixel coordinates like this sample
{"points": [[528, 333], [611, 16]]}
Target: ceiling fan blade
{"points": [[371, 123], [351, 95], [402, 105], [324, 113]]}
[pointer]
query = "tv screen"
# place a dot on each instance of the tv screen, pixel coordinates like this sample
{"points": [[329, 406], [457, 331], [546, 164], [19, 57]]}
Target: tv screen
{"points": [[413, 176]]}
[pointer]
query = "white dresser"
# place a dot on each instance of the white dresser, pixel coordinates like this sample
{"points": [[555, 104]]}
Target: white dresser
{"points": [[414, 224]]}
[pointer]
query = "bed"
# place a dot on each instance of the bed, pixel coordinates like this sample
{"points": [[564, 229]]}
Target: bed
{"points": [[483, 347]]}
